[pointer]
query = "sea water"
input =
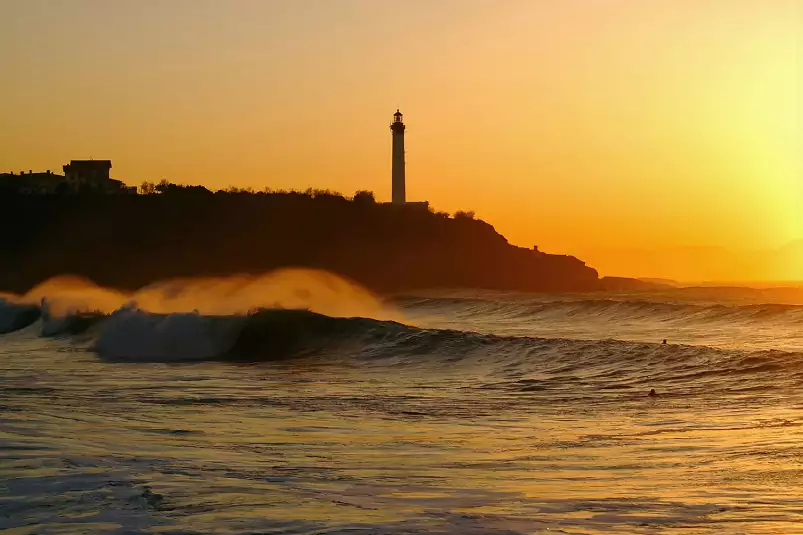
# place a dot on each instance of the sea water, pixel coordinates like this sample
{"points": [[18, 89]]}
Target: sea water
{"points": [[471, 413]]}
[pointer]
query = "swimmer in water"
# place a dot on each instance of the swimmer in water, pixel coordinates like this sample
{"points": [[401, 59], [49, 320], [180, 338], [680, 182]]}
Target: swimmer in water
{"points": [[652, 393]]}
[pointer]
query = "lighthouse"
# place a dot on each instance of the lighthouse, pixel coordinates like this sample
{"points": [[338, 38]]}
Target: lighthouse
{"points": [[397, 174]]}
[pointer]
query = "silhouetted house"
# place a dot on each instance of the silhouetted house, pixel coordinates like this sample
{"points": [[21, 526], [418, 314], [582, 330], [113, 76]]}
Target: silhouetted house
{"points": [[31, 183], [83, 175], [80, 176], [93, 175]]}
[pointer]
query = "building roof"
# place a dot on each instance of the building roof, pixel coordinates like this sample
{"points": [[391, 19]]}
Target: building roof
{"points": [[31, 174], [28, 179], [107, 164]]}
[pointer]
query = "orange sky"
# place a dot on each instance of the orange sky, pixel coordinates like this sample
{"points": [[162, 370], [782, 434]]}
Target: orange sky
{"points": [[582, 126]]}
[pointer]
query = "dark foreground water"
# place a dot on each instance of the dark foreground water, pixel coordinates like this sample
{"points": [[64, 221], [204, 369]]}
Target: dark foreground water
{"points": [[498, 414]]}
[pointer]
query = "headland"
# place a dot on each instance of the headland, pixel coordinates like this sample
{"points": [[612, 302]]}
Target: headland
{"points": [[168, 231]]}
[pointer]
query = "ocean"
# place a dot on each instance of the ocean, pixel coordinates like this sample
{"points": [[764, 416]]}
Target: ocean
{"points": [[262, 406]]}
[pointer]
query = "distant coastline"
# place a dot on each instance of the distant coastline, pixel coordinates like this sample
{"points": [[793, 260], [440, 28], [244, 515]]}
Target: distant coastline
{"points": [[168, 231]]}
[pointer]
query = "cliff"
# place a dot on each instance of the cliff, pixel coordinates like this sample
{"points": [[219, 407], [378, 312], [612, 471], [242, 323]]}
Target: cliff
{"points": [[129, 241]]}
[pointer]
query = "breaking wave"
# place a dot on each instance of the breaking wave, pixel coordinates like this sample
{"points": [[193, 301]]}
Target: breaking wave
{"points": [[205, 320], [510, 365], [16, 315], [131, 334]]}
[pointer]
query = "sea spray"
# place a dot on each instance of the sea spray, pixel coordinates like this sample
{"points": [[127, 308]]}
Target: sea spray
{"points": [[290, 288]]}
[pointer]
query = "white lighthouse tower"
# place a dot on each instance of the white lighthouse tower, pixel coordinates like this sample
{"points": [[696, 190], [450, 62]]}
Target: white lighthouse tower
{"points": [[399, 195]]}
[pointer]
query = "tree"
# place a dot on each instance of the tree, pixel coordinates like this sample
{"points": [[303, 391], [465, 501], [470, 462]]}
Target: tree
{"points": [[460, 214], [364, 197], [163, 186], [147, 188]]}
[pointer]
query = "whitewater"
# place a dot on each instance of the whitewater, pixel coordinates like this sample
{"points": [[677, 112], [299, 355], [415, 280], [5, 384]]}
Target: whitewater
{"points": [[300, 403]]}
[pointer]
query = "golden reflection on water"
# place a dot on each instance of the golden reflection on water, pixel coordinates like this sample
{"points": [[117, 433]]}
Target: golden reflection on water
{"points": [[343, 446]]}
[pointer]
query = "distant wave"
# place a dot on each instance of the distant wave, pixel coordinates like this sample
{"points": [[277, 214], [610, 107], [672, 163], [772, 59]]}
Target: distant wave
{"points": [[612, 310]]}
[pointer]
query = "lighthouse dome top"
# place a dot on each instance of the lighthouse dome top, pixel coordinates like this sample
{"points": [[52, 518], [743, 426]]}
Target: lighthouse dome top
{"points": [[397, 118]]}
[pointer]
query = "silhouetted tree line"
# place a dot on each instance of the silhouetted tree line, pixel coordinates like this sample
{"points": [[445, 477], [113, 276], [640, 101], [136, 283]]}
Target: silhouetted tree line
{"points": [[171, 230]]}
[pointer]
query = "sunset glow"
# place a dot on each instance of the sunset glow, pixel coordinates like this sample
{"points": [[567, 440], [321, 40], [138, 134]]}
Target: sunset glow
{"points": [[583, 127]]}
